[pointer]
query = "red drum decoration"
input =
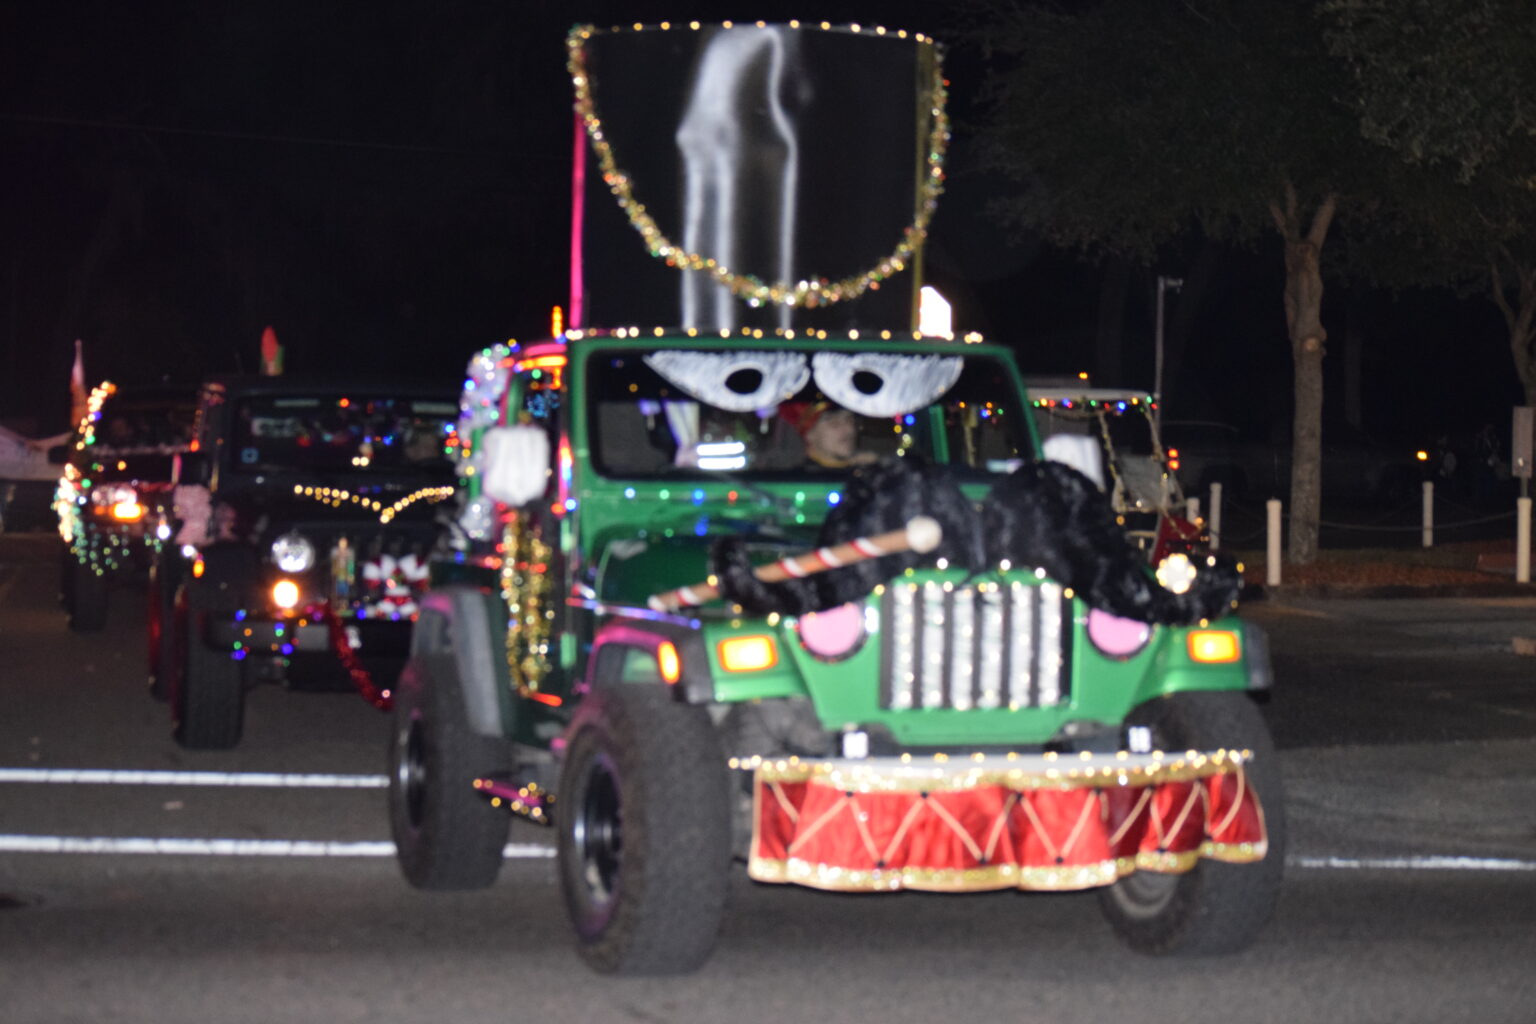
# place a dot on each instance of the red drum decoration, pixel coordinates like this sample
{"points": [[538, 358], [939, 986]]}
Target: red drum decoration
{"points": [[1022, 822]]}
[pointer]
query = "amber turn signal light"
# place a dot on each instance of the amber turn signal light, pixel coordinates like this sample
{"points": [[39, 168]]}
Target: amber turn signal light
{"points": [[747, 653], [1214, 646]]}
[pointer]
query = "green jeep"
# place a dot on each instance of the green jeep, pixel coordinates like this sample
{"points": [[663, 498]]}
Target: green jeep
{"points": [[560, 670], [789, 584]]}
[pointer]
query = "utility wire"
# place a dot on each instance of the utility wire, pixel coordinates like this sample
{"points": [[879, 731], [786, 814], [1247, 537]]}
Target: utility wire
{"points": [[290, 140]]}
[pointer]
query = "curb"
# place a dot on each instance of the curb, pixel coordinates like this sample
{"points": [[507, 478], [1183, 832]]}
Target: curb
{"points": [[1310, 591]]}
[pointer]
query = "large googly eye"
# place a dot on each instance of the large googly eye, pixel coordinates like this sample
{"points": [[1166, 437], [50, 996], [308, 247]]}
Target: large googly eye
{"points": [[734, 381], [884, 384]]}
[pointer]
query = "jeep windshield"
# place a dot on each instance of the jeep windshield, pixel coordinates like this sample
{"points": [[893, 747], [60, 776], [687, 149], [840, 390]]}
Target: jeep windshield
{"points": [[126, 426], [786, 414], [330, 433]]}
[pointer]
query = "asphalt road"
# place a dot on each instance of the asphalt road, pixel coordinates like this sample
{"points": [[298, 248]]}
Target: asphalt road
{"points": [[262, 888]]}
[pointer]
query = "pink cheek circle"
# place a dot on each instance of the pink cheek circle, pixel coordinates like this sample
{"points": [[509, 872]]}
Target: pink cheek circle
{"points": [[835, 632], [1117, 637]]}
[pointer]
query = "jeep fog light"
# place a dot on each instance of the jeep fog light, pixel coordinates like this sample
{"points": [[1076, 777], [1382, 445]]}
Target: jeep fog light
{"points": [[1213, 646], [292, 552], [747, 653], [285, 594]]}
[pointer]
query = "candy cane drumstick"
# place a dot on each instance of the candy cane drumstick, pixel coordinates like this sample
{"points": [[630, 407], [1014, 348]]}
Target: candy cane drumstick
{"points": [[921, 534]]}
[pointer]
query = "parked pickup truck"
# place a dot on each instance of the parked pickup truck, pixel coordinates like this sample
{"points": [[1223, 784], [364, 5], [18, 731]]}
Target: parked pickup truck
{"points": [[305, 516], [682, 627]]}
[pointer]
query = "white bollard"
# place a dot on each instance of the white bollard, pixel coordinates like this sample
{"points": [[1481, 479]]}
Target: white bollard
{"points": [[1192, 509], [1429, 513], [1272, 552], [1214, 526], [1522, 540]]}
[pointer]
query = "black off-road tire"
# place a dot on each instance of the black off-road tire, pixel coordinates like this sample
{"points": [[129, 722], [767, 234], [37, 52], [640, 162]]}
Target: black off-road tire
{"points": [[447, 835], [1214, 907], [644, 822], [86, 596], [160, 631], [208, 708]]}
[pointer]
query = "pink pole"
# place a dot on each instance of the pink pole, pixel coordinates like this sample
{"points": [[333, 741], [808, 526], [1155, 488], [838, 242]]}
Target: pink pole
{"points": [[578, 213]]}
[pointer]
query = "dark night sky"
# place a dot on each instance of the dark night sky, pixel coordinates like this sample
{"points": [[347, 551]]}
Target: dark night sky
{"points": [[386, 184]]}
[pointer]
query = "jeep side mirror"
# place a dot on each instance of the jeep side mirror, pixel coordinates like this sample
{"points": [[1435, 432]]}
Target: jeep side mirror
{"points": [[515, 463], [190, 468]]}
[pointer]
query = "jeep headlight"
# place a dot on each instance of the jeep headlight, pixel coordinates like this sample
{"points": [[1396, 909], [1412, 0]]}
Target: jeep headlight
{"points": [[107, 495], [119, 501], [292, 552]]}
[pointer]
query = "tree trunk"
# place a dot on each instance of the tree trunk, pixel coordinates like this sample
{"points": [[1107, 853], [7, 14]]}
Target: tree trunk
{"points": [[1303, 321], [1520, 321]]}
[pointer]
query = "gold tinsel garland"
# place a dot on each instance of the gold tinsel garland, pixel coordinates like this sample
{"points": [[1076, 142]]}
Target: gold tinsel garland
{"points": [[802, 294], [526, 585]]}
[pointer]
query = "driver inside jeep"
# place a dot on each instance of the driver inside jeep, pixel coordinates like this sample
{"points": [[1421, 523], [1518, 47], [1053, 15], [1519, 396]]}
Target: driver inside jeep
{"points": [[830, 433]]}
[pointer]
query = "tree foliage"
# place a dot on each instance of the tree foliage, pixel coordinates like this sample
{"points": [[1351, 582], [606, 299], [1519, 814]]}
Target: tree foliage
{"points": [[1449, 87], [1440, 81], [1128, 123]]}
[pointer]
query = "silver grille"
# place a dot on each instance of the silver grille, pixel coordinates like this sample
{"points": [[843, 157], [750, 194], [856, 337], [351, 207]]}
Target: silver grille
{"points": [[985, 645]]}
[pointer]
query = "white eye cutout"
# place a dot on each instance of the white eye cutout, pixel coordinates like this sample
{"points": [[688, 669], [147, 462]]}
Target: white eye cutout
{"points": [[721, 379], [906, 383]]}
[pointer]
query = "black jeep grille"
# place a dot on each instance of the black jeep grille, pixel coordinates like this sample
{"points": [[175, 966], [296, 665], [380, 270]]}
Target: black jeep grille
{"points": [[977, 646]]}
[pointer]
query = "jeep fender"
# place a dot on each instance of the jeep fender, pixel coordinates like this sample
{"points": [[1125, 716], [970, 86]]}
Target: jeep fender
{"points": [[617, 638], [471, 622]]}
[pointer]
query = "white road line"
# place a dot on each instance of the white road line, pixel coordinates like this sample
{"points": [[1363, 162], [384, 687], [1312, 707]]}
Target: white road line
{"points": [[127, 777], [531, 851], [226, 847], [1412, 863], [315, 848]]}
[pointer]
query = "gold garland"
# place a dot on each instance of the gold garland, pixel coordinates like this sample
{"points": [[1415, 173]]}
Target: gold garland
{"points": [[801, 294], [1018, 772], [526, 585]]}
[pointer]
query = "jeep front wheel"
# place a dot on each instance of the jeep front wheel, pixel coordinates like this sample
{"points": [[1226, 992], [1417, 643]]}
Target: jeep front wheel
{"points": [[209, 704], [644, 821], [1213, 907], [447, 835]]}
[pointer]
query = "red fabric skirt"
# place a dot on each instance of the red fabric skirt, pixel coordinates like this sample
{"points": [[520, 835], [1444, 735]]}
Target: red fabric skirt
{"points": [[1022, 822]]}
